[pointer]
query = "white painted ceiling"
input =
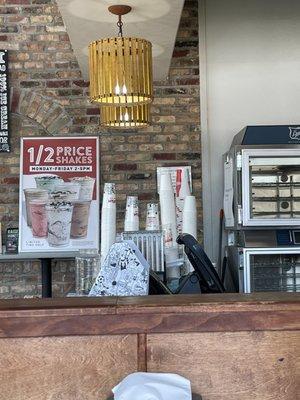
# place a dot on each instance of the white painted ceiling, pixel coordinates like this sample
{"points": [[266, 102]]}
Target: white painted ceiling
{"points": [[154, 20]]}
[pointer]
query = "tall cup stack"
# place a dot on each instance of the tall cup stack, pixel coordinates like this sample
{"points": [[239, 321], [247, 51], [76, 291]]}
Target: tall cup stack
{"points": [[167, 206], [189, 220], [108, 219], [182, 190], [131, 223], [185, 187]]}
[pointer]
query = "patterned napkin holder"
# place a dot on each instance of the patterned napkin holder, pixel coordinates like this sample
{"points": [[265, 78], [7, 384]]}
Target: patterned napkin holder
{"points": [[124, 272]]}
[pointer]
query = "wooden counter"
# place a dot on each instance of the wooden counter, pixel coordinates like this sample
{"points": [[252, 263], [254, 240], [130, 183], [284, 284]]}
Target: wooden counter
{"points": [[230, 346]]}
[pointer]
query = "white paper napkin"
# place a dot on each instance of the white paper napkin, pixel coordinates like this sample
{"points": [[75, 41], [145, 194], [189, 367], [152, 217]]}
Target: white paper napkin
{"points": [[152, 386]]}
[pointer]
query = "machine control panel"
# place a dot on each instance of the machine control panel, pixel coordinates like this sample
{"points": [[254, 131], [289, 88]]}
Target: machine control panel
{"points": [[267, 238], [288, 237]]}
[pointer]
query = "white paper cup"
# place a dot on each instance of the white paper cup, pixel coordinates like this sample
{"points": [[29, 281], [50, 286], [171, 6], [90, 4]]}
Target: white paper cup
{"points": [[185, 187], [132, 201], [189, 216], [152, 219], [173, 271], [171, 254], [109, 188], [108, 219], [166, 183], [190, 203], [131, 222], [109, 195], [168, 212], [108, 230]]}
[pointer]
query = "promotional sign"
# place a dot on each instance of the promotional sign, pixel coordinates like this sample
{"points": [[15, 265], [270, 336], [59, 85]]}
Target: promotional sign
{"points": [[59, 194], [4, 132], [0, 238]]}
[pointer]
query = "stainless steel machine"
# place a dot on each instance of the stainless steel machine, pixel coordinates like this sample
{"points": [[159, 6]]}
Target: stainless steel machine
{"points": [[262, 209]]}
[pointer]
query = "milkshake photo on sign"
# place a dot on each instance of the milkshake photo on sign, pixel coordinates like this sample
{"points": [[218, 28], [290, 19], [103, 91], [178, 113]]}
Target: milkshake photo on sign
{"points": [[59, 199]]}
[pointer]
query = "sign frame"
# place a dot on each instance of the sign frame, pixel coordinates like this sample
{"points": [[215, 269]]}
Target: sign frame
{"points": [[72, 247]]}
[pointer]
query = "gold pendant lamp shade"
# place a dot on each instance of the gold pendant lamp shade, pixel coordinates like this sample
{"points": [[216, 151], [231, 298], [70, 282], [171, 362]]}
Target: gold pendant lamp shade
{"points": [[136, 116], [121, 77], [121, 71]]}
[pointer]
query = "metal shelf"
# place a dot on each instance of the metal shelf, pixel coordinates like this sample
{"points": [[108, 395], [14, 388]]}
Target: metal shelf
{"points": [[34, 256], [276, 198]]}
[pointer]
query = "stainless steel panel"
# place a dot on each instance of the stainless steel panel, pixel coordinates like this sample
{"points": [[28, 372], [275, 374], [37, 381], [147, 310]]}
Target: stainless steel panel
{"points": [[151, 245], [259, 238], [234, 277], [267, 269], [275, 272]]}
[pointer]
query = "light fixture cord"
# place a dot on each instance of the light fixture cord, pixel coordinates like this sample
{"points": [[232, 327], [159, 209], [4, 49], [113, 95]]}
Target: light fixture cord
{"points": [[120, 26]]}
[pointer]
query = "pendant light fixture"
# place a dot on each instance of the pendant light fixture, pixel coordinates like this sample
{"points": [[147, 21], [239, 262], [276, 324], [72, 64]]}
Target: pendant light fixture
{"points": [[136, 116], [120, 68]]}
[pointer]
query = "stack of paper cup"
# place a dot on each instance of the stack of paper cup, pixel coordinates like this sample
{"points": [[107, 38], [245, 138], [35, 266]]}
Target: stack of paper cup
{"points": [[189, 222], [185, 187], [132, 214], [108, 219], [189, 217], [171, 255], [168, 233], [167, 206], [182, 190], [152, 219], [173, 267]]}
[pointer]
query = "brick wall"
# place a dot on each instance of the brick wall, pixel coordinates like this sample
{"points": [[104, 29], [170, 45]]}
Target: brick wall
{"points": [[49, 97]]}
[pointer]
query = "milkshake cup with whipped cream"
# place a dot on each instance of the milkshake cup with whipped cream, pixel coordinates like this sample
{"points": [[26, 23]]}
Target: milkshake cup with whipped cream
{"points": [[73, 188], [57, 196], [38, 217], [80, 219], [33, 194], [86, 186], [47, 182], [59, 216]]}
